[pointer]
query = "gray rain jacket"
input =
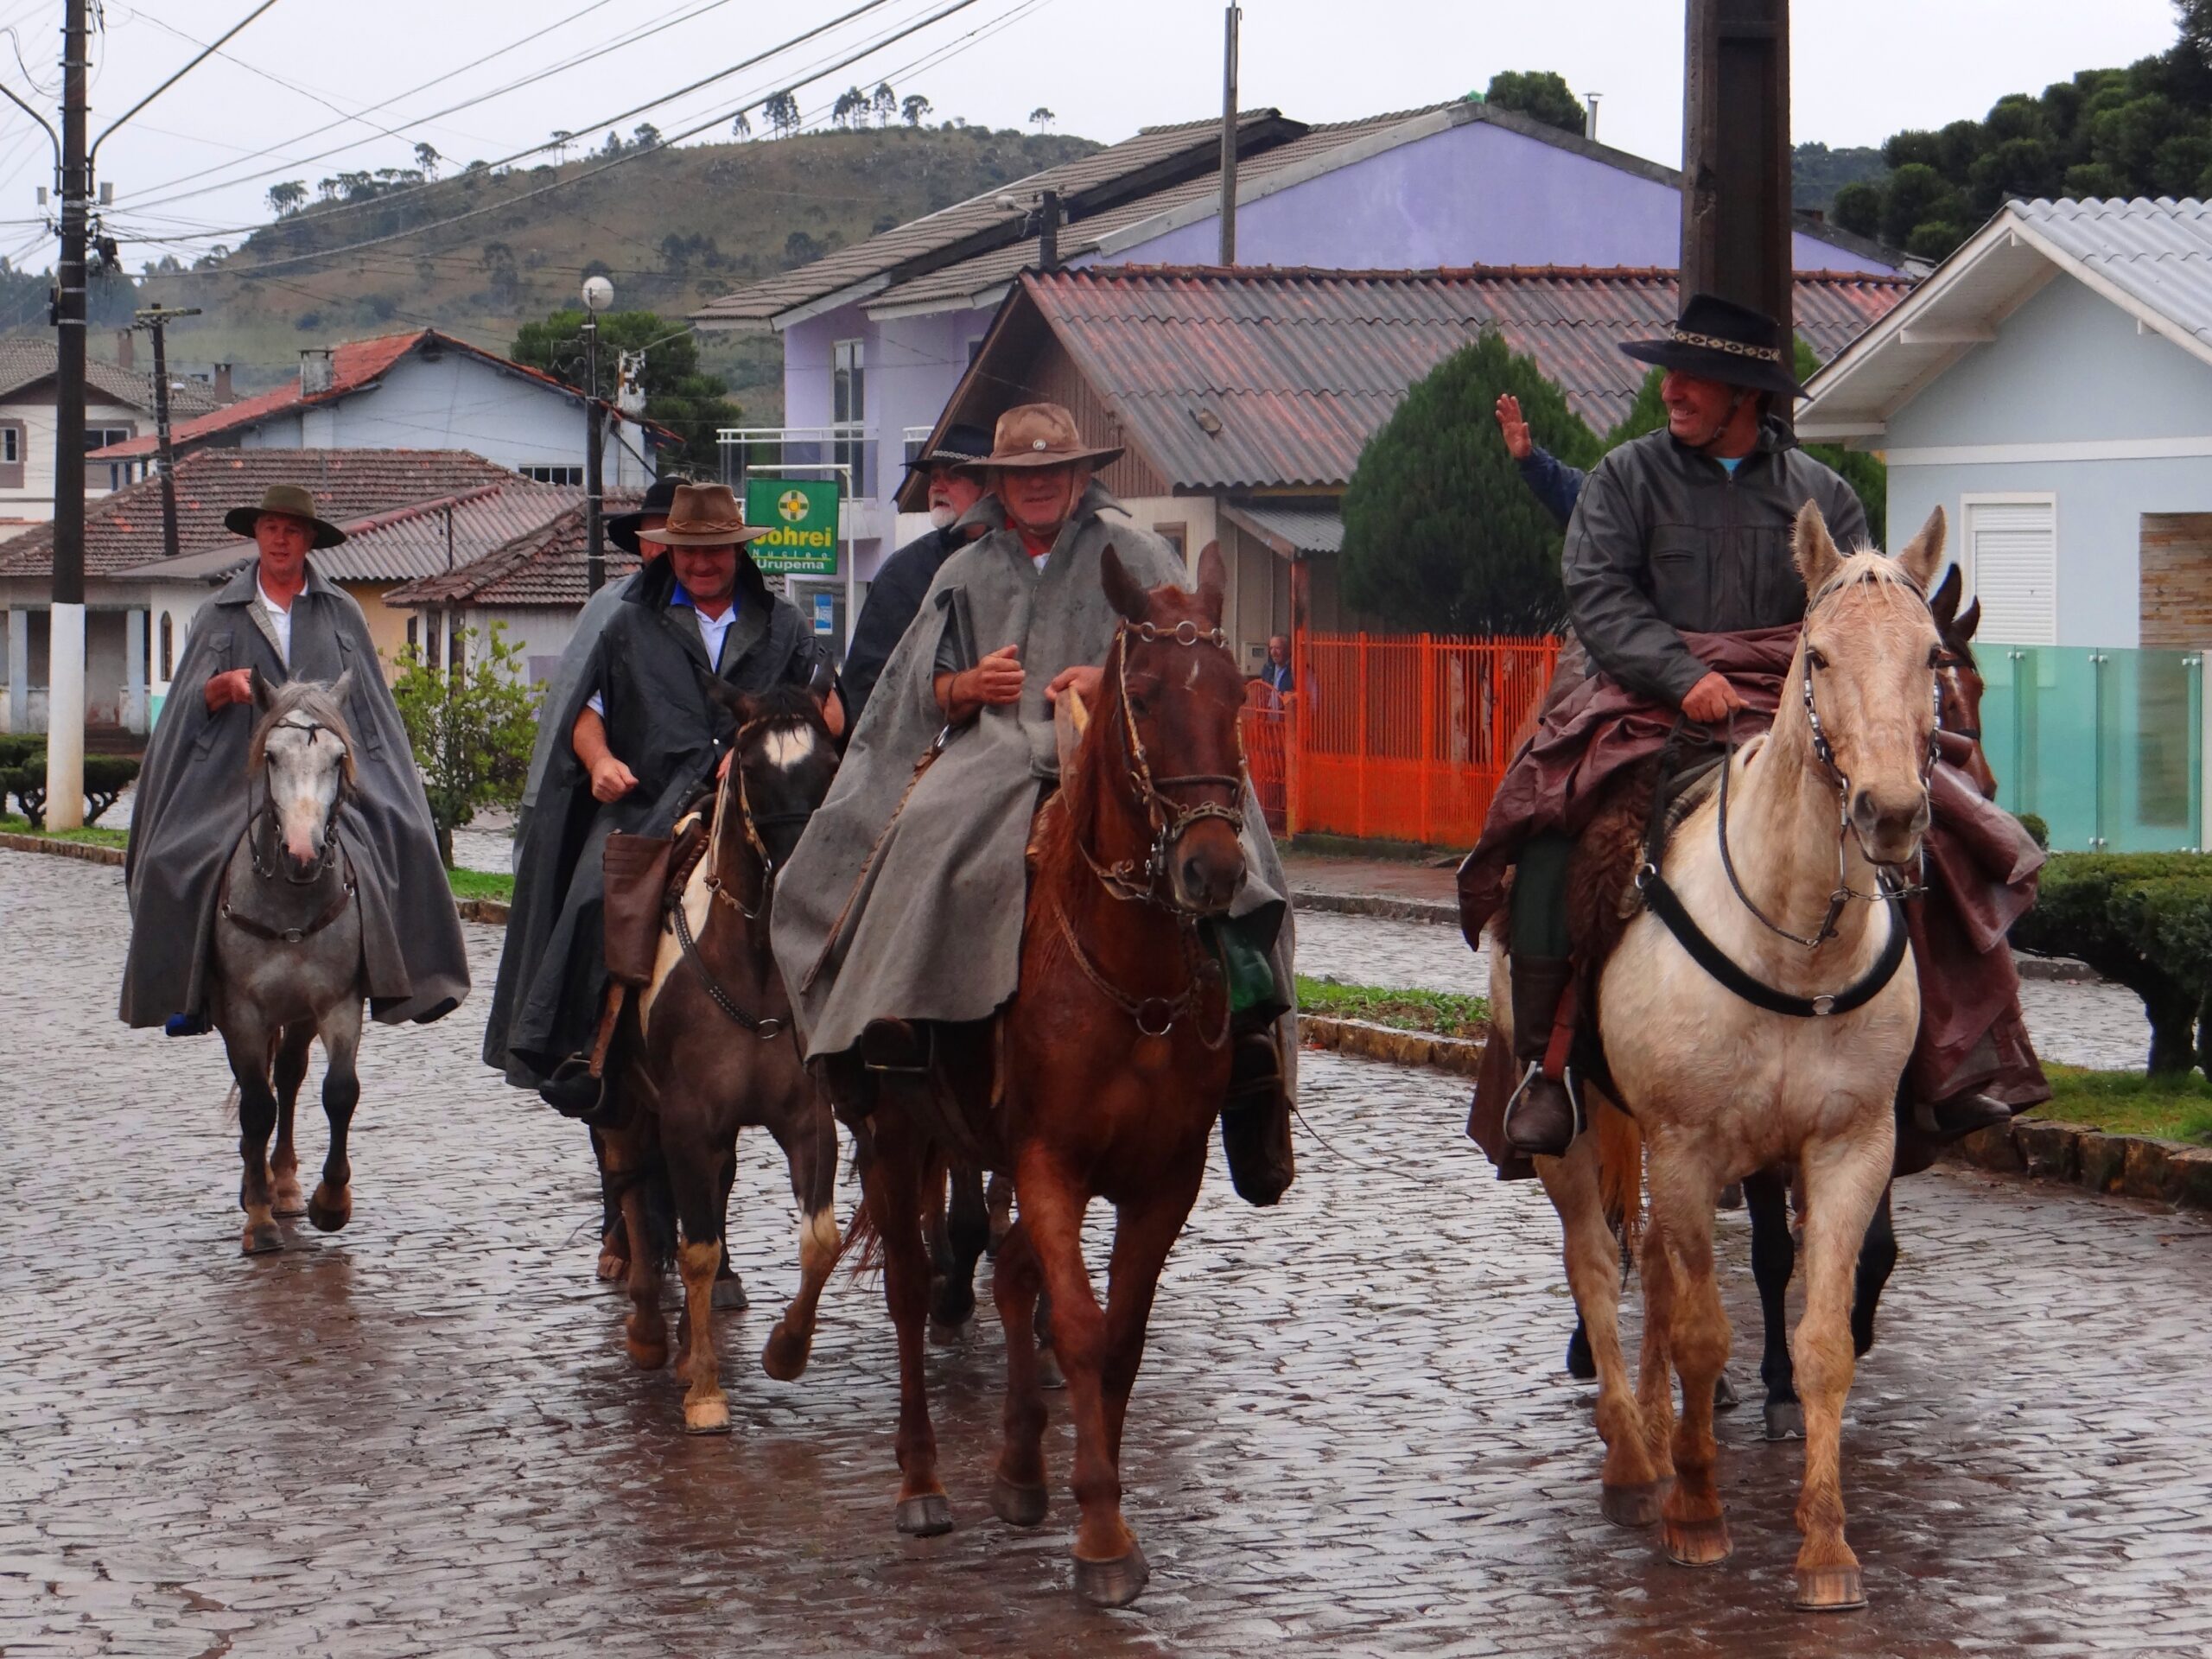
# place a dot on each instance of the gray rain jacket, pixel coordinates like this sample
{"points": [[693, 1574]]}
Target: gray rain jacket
{"points": [[1664, 542]]}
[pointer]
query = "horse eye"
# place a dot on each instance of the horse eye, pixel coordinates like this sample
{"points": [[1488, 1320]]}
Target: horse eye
{"points": [[1814, 657]]}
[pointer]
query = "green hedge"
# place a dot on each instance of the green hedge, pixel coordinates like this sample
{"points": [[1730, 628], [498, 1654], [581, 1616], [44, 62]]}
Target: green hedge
{"points": [[2143, 920], [106, 776]]}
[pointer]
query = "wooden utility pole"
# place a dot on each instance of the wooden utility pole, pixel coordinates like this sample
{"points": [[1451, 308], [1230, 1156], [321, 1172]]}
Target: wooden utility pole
{"points": [[65, 638], [1229, 137], [1736, 155], [155, 321]]}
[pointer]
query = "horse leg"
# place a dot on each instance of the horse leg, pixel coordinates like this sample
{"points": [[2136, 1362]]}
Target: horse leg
{"points": [[1143, 1234], [248, 1052], [891, 1187], [632, 1155], [332, 1206], [1691, 1526], [729, 1289], [614, 1231], [1774, 1258], [1018, 1494], [1655, 1375], [810, 1145], [1630, 1483], [1878, 1258], [284, 1162], [696, 1161], [998, 1203], [1844, 1185], [963, 1231]]}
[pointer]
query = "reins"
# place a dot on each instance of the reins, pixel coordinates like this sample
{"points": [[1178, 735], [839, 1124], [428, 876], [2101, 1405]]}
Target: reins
{"points": [[271, 871]]}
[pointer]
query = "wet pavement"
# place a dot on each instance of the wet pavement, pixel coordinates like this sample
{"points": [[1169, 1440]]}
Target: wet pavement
{"points": [[1352, 1434]]}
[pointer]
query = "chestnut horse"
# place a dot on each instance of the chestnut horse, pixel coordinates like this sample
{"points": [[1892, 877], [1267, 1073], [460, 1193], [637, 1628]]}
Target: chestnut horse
{"points": [[710, 1050], [1109, 1063]]}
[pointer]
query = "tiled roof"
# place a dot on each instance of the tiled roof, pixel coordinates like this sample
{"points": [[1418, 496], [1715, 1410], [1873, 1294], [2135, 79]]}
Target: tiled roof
{"points": [[1132, 167], [123, 531], [1297, 369], [546, 566], [355, 366], [26, 359], [402, 543]]}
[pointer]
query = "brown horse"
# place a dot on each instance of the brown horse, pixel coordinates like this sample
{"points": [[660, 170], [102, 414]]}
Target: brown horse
{"points": [[710, 1050], [1101, 1077]]}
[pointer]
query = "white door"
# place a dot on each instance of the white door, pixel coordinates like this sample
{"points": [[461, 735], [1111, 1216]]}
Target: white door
{"points": [[2011, 560]]}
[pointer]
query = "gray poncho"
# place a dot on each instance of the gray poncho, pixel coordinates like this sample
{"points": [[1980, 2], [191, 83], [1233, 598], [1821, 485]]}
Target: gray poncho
{"points": [[192, 808], [934, 927]]}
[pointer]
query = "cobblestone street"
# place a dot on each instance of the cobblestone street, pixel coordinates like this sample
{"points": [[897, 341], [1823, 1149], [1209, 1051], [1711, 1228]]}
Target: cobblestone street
{"points": [[1352, 1434]]}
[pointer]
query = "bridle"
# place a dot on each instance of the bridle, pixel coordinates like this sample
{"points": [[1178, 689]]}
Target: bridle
{"points": [[298, 722]]}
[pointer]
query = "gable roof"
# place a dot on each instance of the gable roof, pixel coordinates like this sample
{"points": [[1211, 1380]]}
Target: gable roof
{"points": [[545, 566], [2152, 259], [355, 366], [122, 531], [1295, 370], [27, 360]]}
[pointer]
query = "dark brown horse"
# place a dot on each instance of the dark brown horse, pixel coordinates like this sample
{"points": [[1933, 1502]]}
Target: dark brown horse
{"points": [[709, 1049], [1101, 1078]]}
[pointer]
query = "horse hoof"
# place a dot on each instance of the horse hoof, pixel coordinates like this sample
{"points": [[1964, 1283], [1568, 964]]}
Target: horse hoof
{"points": [[1049, 1375], [289, 1202], [1724, 1394], [925, 1516], [1785, 1420], [1017, 1505], [262, 1238], [1112, 1584], [728, 1293], [648, 1349], [329, 1216], [1829, 1590], [707, 1416], [947, 1335], [1631, 1506], [1696, 1543], [785, 1354]]}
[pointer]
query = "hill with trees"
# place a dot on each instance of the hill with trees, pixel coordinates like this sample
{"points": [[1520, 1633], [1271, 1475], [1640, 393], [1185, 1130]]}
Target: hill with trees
{"points": [[671, 227]]}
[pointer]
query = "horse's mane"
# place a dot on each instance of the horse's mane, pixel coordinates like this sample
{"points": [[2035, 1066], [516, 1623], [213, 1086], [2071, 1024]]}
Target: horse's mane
{"points": [[1870, 566], [312, 698], [788, 705]]}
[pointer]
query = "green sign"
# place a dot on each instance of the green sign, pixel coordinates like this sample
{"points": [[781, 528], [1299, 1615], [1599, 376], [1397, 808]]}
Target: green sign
{"points": [[801, 514]]}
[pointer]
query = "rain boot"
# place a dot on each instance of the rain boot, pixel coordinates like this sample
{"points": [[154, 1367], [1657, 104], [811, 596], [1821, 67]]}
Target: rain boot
{"points": [[1255, 1121], [1543, 1115]]}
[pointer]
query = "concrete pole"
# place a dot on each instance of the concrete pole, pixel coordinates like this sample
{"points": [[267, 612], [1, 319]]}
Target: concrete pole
{"points": [[64, 701], [1735, 156], [1228, 96], [594, 437]]}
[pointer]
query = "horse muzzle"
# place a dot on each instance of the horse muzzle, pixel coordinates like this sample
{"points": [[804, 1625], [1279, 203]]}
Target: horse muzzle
{"points": [[1205, 868], [1890, 823]]}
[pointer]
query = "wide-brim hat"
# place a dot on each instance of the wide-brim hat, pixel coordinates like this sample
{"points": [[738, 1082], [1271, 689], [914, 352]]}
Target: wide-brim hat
{"points": [[1039, 435], [960, 445], [294, 501], [703, 515], [1719, 340], [622, 528]]}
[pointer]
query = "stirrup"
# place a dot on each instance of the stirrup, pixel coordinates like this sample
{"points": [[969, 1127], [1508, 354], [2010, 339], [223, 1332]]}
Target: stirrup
{"points": [[1574, 1100], [873, 1057]]}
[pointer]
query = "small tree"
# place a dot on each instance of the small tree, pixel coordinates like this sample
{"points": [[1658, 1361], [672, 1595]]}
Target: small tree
{"points": [[1441, 534], [1541, 93], [915, 109], [645, 135], [782, 110], [471, 728], [427, 158], [741, 127], [287, 197], [884, 102], [1042, 118]]}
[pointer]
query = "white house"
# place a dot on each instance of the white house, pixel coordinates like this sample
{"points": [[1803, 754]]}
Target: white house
{"points": [[119, 407], [2050, 386]]}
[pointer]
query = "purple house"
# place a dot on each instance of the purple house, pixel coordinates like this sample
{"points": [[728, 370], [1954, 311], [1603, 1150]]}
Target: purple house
{"points": [[877, 336]]}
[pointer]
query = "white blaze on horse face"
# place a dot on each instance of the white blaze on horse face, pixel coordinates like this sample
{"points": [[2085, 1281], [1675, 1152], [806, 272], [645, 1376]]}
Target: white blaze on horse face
{"points": [[304, 764], [787, 746]]}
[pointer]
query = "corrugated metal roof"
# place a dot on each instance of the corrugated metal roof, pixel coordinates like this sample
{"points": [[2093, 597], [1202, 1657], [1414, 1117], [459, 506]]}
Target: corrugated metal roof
{"points": [[911, 245], [545, 566], [1293, 532], [2160, 251], [1297, 369]]}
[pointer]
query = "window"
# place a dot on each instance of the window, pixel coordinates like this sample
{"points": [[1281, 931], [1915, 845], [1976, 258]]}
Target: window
{"points": [[571, 476], [848, 411], [99, 437], [14, 444], [168, 648], [1178, 536], [414, 634], [11, 444], [2012, 559]]}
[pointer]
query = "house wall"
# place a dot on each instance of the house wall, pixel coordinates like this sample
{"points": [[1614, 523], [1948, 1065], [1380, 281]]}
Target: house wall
{"points": [[27, 488], [2068, 370]]}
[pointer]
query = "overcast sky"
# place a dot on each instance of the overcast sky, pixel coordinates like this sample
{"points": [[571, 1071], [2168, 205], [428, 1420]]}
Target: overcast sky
{"points": [[200, 159]]}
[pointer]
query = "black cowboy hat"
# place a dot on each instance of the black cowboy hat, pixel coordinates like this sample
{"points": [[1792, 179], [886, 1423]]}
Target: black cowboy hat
{"points": [[622, 528], [961, 444], [1720, 340]]}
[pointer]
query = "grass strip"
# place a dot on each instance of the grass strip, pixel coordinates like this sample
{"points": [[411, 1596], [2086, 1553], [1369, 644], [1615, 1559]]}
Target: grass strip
{"points": [[482, 884], [2128, 1103], [16, 824], [1443, 1013]]}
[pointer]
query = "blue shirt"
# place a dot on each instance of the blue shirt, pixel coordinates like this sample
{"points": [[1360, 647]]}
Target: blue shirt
{"points": [[1557, 485]]}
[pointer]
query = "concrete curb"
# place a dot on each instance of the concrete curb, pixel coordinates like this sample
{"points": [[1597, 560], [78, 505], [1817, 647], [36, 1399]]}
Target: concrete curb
{"points": [[1368, 904], [1369, 1041], [2130, 1165], [89, 852]]}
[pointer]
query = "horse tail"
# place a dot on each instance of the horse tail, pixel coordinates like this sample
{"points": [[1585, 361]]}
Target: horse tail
{"points": [[1620, 1167], [863, 1240]]}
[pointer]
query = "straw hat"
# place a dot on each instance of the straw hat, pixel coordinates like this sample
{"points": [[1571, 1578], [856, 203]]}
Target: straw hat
{"points": [[294, 501]]}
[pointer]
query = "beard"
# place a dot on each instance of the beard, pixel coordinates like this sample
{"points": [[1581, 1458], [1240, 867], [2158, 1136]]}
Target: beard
{"points": [[943, 515]]}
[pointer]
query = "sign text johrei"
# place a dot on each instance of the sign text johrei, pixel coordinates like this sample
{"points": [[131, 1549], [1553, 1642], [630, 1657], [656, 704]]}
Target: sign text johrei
{"points": [[801, 514]]}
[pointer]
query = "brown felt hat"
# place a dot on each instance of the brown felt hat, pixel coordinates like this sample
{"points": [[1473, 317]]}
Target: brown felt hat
{"points": [[1039, 435], [703, 515], [294, 501]]}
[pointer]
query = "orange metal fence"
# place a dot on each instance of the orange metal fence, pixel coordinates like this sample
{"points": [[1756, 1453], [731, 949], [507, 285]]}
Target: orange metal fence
{"points": [[1394, 737]]}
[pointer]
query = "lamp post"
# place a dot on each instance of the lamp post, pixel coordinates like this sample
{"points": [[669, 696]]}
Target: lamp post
{"points": [[599, 294]]}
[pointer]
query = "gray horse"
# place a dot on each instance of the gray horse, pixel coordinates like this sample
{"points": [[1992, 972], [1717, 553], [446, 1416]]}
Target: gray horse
{"points": [[288, 954]]}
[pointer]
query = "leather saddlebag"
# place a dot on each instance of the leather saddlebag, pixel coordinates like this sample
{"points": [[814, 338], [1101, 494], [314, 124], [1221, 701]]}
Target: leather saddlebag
{"points": [[635, 871]]}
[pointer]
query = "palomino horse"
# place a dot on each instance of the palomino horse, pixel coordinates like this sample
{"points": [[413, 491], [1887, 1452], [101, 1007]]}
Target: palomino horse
{"points": [[288, 955], [1829, 806], [1111, 1062], [711, 1050]]}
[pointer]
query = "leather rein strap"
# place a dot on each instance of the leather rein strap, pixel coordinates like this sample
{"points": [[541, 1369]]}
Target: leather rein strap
{"points": [[330, 913], [1667, 904]]}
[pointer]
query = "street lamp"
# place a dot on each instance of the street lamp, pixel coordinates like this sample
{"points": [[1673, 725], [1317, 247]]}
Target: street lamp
{"points": [[598, 296]]}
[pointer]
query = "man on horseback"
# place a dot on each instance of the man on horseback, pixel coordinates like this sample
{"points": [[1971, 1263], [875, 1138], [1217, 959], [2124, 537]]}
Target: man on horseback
{"points": [[1681, 531], [644, 739], [901, 912], [278, 620]]}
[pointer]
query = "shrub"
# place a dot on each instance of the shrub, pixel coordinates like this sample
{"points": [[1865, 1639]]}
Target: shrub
{"points": [[2143, 920], [471, 729], [106, 776]]}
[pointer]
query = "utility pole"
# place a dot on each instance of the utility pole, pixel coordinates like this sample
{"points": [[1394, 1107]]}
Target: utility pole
{"points": [[64, 677], [1229, 137], [1736, 157], [598, 295], [155, 321]]}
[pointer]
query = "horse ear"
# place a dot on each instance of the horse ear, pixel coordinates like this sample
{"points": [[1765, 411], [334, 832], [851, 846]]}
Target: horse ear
{"points": [[1923, 555], [1944, 601], [1962, 630], [264, 699], [1122, 590], [1814, 547], [1213, 582], [719, 690]]}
